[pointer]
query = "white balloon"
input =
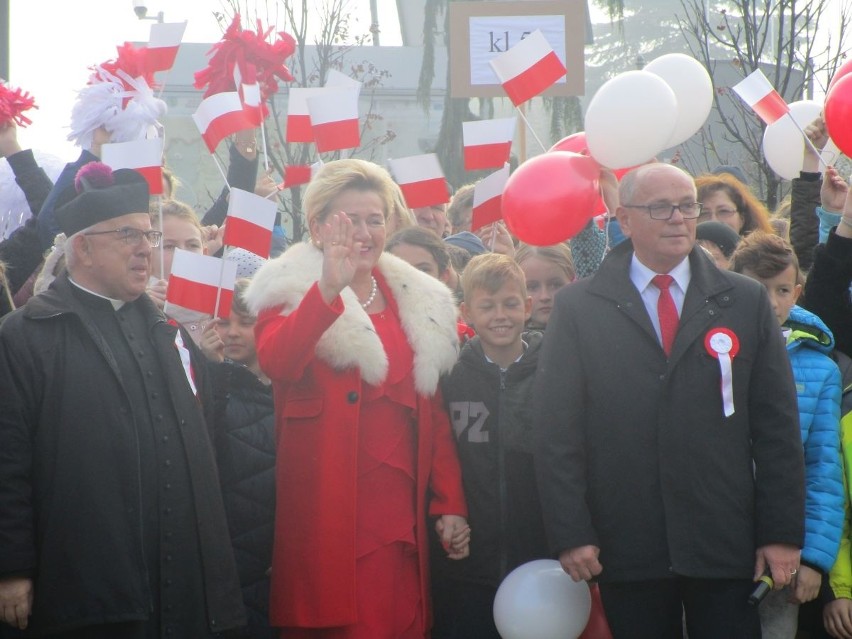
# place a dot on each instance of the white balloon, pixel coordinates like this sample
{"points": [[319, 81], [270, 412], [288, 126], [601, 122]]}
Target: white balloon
{"points": [[693, 89], [538, 600], [784, 144], [630, 119]]}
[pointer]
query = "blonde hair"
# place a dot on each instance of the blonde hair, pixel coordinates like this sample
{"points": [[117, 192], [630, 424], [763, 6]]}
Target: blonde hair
{"points": [[558, 254], [490, 272], [178, 210], [341, 175]]}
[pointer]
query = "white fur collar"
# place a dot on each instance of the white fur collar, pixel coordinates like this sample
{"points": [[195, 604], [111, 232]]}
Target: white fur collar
{"points": [[426, 310]]}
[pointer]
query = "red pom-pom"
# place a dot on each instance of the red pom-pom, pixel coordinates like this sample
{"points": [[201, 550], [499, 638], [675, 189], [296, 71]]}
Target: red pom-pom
{"points": [[244, 48], [132, 61], [94, 175], [13, 102]]}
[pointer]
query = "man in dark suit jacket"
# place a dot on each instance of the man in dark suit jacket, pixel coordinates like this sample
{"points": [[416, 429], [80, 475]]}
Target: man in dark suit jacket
{"points": [[672, 474]]}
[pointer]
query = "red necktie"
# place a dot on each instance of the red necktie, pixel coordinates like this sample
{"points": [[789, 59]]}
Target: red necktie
{"points": [[666, 311]]}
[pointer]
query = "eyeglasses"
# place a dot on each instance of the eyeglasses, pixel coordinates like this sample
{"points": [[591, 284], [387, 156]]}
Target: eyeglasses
{"points": [[133, 237], [689, 210], [720, 213]]}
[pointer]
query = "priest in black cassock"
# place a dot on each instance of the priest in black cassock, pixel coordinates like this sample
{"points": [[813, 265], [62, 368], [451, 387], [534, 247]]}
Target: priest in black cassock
{"points": [[111, 520]]}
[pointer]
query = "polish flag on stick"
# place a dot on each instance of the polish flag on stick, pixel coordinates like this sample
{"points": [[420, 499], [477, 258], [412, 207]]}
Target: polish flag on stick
{"points": [[756, 91], [249, 222], [249, 91], [528, 68], [488, 198], [202, 283], [421, 179], [487, 143], [163, 44], [334, 119], [298, 174], [144, 156], [219, 116], [298, 118]]}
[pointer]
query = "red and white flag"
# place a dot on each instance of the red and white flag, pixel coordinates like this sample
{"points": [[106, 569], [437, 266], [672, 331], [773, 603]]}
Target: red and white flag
{"points": [[298, 117], [298, 174], [144, 156], [249, 222], [219, 116], [421, 179], [334, 119], [249, 91], [337, 79], [202, 283], [488, 199], [163, 44], [528, 68], [757, 92], [487, 143]]}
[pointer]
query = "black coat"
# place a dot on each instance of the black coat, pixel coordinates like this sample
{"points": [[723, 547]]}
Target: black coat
{"points": [[827, 290], [245, 451], [22, 251], [633, 452], [70, 470], [804, 223], [491, 414]]}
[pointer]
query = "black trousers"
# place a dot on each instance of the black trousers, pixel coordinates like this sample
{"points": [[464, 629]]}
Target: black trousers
{"points": [[713, 608], [463, 610]]}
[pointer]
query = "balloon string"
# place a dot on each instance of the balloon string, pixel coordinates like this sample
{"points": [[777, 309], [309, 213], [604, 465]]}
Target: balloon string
{"points": [[531, 130], [808, 141]]}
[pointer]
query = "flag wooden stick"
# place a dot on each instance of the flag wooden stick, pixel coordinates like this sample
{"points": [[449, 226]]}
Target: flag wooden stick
{"points": [[263, 139], [522, 111], [219, 289], [808, 141], [221, 170]]}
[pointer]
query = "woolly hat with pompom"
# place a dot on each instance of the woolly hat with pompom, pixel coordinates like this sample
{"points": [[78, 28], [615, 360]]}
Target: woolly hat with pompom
{"points": [[100, 194]]}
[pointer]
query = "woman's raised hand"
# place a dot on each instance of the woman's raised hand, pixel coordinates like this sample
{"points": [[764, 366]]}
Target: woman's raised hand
{"points": [[340, 255]]}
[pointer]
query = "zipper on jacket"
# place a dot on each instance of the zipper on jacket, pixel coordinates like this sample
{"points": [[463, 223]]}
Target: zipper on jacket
{"points": [[501, 481]]}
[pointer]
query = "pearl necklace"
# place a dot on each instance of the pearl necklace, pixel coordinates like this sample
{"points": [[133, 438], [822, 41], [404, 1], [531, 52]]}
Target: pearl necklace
{"points": [[373, 290]]}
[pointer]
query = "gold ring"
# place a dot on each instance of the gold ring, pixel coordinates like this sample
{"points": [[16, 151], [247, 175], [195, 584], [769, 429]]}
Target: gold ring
{"points": [[793, 572]]}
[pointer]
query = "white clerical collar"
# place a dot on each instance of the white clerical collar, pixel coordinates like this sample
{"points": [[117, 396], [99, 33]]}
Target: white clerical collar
{"points": [[116, 304], [641, 275]]}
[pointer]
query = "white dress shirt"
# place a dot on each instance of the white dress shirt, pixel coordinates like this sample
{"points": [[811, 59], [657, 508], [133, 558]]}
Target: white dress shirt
{"points": [[641, 277]]}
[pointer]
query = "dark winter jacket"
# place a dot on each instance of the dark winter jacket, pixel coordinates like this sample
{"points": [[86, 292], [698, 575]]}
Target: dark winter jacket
{"points": [[491, 414], [245, 451], [804, 223], [242, 174], [70, 471], [827, 289], [22, 251]]}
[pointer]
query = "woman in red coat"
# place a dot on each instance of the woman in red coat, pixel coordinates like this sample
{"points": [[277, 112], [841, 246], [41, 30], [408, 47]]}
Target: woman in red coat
{"points": [[354, 341]]}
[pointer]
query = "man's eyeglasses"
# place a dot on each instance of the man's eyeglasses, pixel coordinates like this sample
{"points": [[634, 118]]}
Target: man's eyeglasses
{"points": [[132, 236], [688, 210]]}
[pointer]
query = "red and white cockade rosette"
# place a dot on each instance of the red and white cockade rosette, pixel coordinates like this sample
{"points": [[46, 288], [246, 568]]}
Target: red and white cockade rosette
{"points": [[723, 344]]}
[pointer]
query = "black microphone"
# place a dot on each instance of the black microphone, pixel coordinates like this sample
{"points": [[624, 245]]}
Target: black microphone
{"points": [[764, 585]]}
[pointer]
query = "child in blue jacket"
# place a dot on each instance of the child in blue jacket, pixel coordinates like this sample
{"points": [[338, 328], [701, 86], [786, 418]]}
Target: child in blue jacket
{"points": [[770, 260]]}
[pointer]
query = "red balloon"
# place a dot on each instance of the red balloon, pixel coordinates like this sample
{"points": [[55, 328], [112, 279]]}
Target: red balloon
{"points": [[551, 197], [838, 114], [844, 69], [574, 143]]}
